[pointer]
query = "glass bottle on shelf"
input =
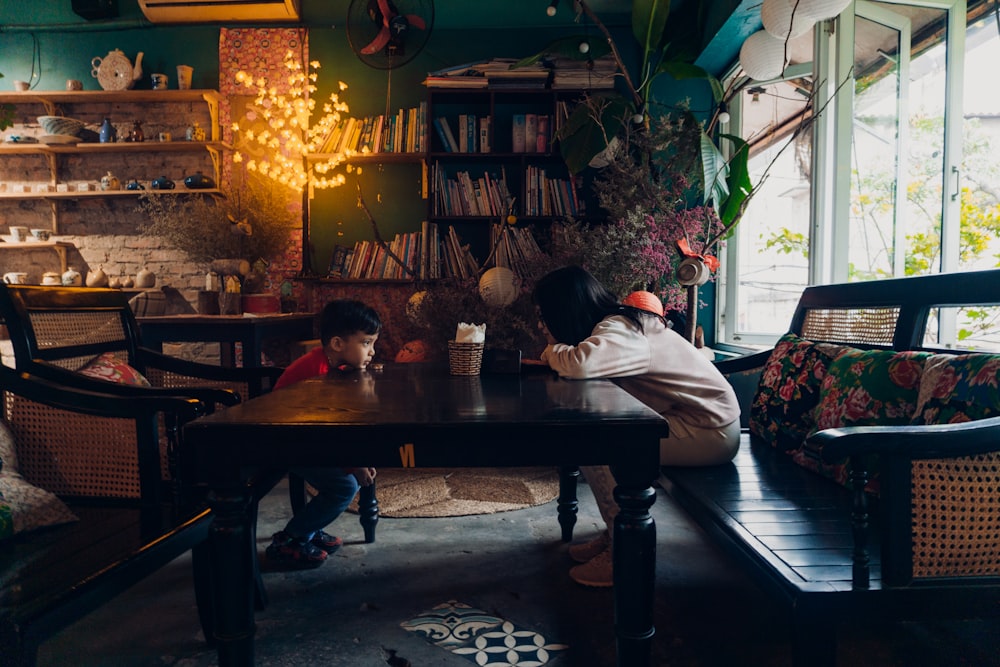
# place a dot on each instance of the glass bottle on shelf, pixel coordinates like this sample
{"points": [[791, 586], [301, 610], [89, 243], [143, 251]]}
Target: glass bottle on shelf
{"points": [[137, 134]]}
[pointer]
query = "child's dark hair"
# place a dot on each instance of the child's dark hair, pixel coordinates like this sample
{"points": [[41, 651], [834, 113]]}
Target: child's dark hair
{"points": [[571, 302], [344, 317]]}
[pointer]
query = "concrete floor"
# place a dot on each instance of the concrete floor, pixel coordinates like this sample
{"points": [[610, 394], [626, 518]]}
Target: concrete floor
{"points": [[511, 565]]}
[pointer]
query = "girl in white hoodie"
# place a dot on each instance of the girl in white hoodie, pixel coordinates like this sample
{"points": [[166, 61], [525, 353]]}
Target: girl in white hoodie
{"points": [[592, 335]]}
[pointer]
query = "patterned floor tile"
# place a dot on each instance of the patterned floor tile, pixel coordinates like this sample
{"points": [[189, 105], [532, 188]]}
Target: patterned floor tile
{"points": [[482, 638]]}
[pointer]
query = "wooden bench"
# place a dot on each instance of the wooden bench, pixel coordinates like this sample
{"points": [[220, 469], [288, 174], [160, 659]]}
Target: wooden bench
{"points": [[833, 555], [129, 523]]}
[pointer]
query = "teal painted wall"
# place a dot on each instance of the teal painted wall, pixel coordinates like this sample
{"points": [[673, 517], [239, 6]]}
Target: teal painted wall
{"points": [[46, 38]]}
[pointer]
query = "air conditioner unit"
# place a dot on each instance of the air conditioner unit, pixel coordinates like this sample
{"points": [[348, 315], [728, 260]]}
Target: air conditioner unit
{"points": [[219, 11]]}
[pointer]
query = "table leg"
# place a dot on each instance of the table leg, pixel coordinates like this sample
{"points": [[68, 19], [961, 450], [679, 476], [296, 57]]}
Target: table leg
{"points": [[567, 505], [233, 576], [368, 511], [634, 558]]}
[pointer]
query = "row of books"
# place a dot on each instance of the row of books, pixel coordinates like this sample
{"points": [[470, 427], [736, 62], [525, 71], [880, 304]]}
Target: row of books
{"points": [[515, 248], [424, 254], [402, 132], [551, 196], [487, 195], [531, 133], [472, 134]]}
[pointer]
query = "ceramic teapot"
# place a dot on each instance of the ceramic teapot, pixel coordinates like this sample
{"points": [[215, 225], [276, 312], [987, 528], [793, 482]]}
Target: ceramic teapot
{"points": [[115, 71], [162, 183], [97, 278], [110, 182], [72, 278], [145, 278], [199, 181]]}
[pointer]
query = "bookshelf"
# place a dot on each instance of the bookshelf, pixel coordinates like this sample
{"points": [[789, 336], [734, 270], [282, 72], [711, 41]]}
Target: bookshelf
{"points": [[489, 153]]}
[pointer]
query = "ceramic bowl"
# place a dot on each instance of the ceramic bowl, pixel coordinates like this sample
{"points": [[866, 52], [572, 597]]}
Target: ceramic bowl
{"points": [[60, 125]]}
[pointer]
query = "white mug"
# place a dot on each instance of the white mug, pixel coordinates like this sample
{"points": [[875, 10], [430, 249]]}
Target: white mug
{"points": [[15, 278], [19, 234]]}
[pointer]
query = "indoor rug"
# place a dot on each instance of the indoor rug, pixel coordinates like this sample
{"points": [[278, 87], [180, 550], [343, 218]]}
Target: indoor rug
{"points": [[438, 492]]}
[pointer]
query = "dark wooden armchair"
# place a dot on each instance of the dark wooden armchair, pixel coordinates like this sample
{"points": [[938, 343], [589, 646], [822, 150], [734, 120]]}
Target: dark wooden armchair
{"points": [[56, 331], [99, 453]]}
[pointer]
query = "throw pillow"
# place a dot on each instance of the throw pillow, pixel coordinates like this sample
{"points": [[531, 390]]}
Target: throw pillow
{"points": [[958, 388], [112, 369], [24, 506], [788, 391], [863, 388]]}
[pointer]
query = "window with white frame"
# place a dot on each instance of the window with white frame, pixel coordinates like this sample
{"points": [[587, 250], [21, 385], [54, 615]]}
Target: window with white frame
{"points": [[894, 177]]}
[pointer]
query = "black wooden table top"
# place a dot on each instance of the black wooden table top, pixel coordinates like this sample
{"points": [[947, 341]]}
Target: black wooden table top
{"points": [[366, 417]]}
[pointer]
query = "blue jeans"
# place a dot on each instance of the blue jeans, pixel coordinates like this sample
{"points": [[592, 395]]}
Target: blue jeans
{"points": [[336, 489]]}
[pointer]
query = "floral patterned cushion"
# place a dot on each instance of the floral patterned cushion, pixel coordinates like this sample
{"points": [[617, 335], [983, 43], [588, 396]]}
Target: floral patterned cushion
{"points": [[788, 391], [24, 506], [109, 367], [958, 388], [864, 388]]}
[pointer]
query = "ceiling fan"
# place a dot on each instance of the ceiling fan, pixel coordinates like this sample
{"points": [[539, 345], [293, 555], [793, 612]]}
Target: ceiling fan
{"points": [[386, 34]]}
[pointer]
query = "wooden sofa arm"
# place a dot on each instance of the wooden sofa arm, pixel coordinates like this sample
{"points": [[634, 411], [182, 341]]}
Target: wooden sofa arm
{"points": [[910, 442], [66, 378], [97, 403]]}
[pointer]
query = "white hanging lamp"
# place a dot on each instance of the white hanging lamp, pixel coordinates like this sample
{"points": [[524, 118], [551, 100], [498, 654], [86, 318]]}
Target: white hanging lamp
{"points": [[821, 10], [776, 15], [762, 56]]}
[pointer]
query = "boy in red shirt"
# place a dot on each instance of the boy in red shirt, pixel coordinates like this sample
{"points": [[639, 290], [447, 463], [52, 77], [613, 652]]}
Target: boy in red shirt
{"points": [[348, 331]]}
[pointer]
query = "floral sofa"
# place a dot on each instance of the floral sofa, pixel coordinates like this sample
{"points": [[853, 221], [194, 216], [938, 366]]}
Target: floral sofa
{"points": [[867, 485]]}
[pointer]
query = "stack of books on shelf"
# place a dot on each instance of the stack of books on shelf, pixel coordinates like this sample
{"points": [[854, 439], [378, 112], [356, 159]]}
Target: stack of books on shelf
{"points": [[551, 196], [574, 74], [487, 195], [403, 132], [458, 259], [516, 249], [492, 73]]}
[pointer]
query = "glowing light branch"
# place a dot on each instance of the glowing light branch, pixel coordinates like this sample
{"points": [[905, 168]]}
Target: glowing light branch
{"points": [[278, 130]]}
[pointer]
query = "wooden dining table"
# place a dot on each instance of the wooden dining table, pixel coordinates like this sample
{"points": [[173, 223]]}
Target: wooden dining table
{"points": [[415, 416]]}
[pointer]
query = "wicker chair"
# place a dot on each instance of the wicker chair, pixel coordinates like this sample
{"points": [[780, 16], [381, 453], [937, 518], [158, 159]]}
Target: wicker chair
{"points": [[57, 331], [98, 453]]}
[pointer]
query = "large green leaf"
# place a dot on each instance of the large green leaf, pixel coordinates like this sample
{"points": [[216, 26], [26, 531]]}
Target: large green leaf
{"points": [[649, 22], [681, 70], [740, 185], [715, 173], [582, 137]]}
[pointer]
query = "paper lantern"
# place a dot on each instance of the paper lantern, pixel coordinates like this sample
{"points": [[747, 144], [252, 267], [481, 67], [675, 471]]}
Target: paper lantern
{"points": [[762, 56], [497, 287], [821, 10], [645, 301], [777, 18]]}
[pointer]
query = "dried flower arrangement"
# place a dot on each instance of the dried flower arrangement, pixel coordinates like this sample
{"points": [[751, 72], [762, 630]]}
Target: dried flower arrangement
{"points": [[251, 219], [644, 189]]}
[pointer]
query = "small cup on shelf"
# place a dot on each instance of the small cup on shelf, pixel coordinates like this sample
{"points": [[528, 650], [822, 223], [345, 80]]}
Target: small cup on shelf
{"points": [[19, 234]]}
